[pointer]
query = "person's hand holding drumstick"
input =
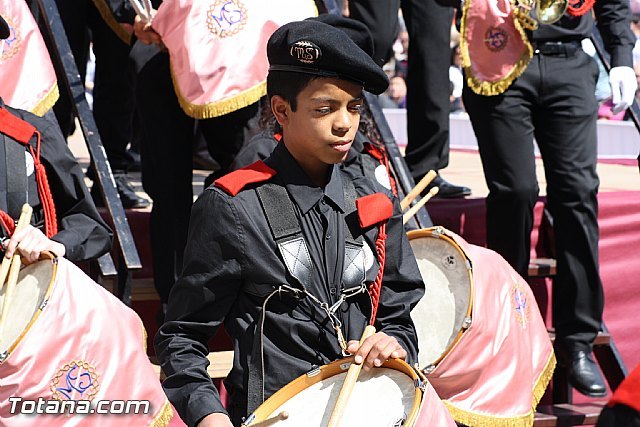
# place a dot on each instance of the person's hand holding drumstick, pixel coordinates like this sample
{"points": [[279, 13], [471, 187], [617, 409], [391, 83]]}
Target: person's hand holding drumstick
{"points": [[30, 242]]}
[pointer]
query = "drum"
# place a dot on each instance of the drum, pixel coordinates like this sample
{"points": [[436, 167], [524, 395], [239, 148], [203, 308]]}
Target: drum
{"points": [[72, 345], [385, 396], [444, 314], [492, 370], [29, 298]]}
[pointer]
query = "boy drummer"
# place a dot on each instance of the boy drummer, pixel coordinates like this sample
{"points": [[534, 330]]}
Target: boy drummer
{"points": [[286, 252]]}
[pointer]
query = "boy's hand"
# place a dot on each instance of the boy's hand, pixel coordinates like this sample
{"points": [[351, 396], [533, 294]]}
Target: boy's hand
{"points": [[375, 350], [216, 419], [146, 34], [30, 242]]}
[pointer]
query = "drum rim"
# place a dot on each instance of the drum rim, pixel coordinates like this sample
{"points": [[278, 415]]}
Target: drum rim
{"points": [[304, 381], [48, 257], [440, 232]]}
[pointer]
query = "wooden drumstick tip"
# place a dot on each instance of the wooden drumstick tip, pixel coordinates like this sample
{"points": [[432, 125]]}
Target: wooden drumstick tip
{"points": [[415, 192], [25, 218], [415, 208], [270, 421]]}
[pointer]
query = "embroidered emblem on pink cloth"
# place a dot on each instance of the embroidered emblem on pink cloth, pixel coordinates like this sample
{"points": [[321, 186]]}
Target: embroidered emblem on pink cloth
{"points": [[495, 39], [76, 380], [226, 17], [9, 47]]}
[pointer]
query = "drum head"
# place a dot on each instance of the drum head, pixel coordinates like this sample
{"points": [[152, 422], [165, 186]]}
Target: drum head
{"points": [[383, 396], [440, 314], [30, 291]]}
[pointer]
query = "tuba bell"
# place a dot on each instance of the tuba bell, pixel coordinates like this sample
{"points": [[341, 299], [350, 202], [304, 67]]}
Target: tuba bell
{"points": [[550, 11], [546, 12]]}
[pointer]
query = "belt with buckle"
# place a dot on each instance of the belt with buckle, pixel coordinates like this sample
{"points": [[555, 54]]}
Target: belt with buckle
{"points": [[568, 48]]}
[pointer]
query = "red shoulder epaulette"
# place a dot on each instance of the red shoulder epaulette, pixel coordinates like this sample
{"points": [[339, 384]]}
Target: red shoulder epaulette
{"points": [[15, 127], [232, 183], [373, 209]]}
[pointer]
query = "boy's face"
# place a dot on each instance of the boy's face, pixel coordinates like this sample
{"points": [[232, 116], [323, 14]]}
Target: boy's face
{"points": [[320, 132]]}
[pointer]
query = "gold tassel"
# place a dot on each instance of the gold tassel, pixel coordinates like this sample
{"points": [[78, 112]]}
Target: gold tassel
{"points": [[47, 101], [108, 17], [164, 417], [219, 108], [486, 88], [475, 419]]}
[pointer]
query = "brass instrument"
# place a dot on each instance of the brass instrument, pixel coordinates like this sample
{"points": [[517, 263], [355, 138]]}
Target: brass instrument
{"points": [[547, 12]]}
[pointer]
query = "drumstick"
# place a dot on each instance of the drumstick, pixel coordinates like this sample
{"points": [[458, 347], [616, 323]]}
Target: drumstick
{"points": [[270, 421], [415, 191], [6, 262], [415, 208], [349, 383], [14, 271]]}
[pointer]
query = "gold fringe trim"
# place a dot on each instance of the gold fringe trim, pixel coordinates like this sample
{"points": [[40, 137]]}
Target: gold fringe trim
{"points": [[47, 102], [144, 336], [108, 17], [475, 419], [164, 417], [219, 108], [486, 88]]}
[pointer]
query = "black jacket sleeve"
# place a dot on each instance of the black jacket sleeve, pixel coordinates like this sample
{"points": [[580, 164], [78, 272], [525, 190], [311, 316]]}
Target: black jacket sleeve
{"points": [[198, 304], [81, 230], [614, 22]]}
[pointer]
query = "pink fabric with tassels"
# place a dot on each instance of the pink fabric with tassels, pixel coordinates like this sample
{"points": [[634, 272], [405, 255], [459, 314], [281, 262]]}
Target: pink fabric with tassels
{"points": [[218, 48], [491, 41], [85, 345], [27, 78]]}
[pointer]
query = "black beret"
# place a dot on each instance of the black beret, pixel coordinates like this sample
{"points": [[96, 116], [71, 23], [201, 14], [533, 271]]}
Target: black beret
{"points": [[356, 30], [316, 48], [4, 29]]}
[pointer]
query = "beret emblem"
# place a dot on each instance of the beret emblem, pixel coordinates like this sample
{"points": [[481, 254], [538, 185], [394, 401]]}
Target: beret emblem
{"points": [[305, 52]]}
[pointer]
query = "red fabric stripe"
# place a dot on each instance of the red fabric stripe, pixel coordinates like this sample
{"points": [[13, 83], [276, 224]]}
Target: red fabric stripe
{"points": [[7, 222], [577, 9], [628, 393], [373, 209], [15, 127], [376, 286], [234, 182]]}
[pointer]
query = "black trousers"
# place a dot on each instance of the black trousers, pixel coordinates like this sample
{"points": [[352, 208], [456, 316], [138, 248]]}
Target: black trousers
{"points": [[429, 26], [554, 102], [381, 17], [113, 94], [166, 142]]}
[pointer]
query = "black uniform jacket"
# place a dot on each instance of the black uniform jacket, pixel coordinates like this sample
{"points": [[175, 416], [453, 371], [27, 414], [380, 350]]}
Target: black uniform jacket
{"points": [[232, 265], [80, 228]]}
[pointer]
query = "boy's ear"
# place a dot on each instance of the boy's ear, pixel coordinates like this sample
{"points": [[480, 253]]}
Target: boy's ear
{"points": [[280, 108]]}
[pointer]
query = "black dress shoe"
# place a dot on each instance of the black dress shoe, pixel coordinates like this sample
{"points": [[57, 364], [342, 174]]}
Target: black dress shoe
{"points": [[447, 190], [585, 376]]}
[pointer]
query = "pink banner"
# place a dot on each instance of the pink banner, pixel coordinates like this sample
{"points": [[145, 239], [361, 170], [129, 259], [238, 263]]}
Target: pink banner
{"points": [[218, 49], [27, 78], [493, 46]]}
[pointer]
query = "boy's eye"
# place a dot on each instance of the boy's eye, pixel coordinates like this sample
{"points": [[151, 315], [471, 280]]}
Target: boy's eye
{"points": [[324, 110], [356, 107]]}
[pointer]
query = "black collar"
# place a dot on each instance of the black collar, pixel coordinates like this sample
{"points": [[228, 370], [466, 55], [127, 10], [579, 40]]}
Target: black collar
{"points": [[303, 191]]}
